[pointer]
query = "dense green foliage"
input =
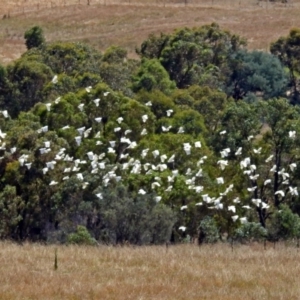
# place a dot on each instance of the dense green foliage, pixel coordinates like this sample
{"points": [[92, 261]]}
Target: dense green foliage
{"points": [[209, 232], [81, 237], [256, 74], [34, 37], [250, 231], [287, 49], [196, 139]]}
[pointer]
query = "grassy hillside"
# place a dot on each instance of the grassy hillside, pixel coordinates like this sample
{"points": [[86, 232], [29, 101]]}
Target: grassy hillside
{"points": [[181, 272], [128, 23]]}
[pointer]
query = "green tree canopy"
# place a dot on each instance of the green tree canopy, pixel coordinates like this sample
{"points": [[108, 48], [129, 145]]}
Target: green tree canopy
{"points": [[152, 76], [255, 75], [28, 78], [287, 49], [34, 37], [196, 55]]}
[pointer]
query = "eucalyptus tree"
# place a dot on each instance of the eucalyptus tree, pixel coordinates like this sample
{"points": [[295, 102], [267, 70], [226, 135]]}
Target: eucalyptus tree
{"points": [[256, 74], [34, 37], [287, 50], [263, 148], [194, 56]]}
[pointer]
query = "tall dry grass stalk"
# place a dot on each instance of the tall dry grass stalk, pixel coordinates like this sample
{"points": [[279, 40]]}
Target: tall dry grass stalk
{"points": [[181, 272]]}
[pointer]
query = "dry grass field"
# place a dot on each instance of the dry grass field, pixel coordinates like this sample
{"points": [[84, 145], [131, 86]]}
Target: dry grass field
{"points": [[182, 272], [128, 23]]}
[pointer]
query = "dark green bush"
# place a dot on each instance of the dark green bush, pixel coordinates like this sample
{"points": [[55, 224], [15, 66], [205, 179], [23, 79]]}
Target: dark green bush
{"points": [[209, 231], [81, 237]]}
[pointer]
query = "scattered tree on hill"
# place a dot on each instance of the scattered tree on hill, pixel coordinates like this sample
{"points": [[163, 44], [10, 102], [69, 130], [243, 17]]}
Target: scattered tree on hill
{"points": [[34, 37]]}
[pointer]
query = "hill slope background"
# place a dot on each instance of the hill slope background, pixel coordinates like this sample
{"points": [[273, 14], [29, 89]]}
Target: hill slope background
{"points": [[128, 23]]}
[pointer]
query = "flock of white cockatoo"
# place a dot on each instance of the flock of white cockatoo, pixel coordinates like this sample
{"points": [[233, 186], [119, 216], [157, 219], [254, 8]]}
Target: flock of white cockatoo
{"points": [[98, 163]]}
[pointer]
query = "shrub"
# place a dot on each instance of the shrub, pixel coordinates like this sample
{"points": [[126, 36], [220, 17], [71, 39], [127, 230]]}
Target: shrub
{"points": [[284, 224], [125, 218], [81, 237], [250, 231], [209, 232]]}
